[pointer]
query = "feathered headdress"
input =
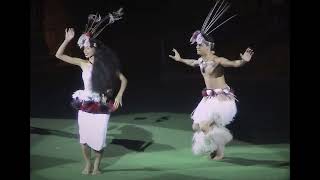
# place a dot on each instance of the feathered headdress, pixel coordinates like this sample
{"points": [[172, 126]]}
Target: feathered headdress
{"points": [[209, 25], [94, 26]]}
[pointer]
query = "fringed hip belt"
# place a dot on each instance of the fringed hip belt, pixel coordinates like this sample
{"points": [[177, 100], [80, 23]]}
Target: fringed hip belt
{"points": [[92, 102], [228, 92]]}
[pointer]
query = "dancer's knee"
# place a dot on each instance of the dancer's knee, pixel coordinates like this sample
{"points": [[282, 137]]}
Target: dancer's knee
{"points": [[195, 127]]}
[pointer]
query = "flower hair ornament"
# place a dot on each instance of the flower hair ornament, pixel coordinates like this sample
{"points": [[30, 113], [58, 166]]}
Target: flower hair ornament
{"points": [[95, 26], [209, 25]]}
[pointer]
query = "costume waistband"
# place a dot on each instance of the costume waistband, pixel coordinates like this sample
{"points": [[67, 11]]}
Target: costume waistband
{"points": [[214, 92], [91, 102], [93, 107]]}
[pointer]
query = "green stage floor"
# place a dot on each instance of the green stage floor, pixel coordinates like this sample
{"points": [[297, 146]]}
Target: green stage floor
{"points": [[149, 146]]}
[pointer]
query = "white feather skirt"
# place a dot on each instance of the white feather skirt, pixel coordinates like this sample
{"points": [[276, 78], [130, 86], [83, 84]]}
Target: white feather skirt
{"points": [[213, 109], [208, 143]]}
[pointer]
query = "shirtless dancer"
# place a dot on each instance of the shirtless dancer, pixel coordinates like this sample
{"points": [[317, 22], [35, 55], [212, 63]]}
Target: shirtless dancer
{"points": [[217, 107]]}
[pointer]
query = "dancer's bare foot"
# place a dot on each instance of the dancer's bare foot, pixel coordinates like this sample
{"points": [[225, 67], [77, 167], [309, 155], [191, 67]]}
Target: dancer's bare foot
{"points": [[216, 155], [96, 165], [219, 156], [87, 169], [96, 172]]}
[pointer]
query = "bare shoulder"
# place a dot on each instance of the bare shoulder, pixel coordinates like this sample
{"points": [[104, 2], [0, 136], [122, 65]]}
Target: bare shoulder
{"points": [[218, 59], [83, 63], [78, 61]]}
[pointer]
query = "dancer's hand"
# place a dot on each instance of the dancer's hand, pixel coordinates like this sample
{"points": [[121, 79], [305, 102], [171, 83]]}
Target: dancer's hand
{"points": [[117, 102], [176, 56], [69, 34], [247, 55]]}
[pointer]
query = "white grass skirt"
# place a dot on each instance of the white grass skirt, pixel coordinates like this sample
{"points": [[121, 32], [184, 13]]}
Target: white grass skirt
{"points": [[217, 137], [211, 109]]}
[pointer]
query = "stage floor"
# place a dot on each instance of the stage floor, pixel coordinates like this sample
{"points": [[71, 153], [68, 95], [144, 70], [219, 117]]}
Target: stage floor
{"points": [[149, 146]]}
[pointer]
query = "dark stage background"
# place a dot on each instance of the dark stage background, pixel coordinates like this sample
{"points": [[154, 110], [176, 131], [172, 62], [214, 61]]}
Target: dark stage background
{"points": [[144, 39]]}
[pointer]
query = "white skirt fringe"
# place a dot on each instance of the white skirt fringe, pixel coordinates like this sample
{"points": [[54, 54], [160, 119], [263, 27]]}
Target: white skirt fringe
{"points": [[211, 109], [208, 143]]}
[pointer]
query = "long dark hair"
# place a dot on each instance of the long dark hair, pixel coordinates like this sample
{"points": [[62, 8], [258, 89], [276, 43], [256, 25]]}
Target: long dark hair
{"points": [[105, 70]]}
